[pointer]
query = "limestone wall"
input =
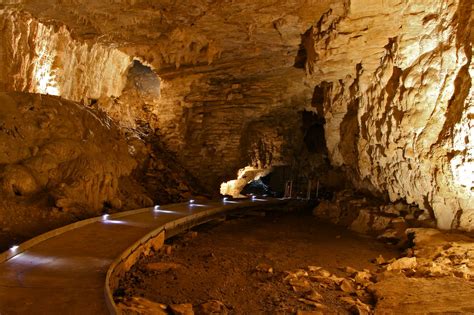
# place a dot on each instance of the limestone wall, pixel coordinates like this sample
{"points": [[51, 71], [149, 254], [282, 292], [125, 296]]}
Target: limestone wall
{"points": [[43, 58], [397, 103]]}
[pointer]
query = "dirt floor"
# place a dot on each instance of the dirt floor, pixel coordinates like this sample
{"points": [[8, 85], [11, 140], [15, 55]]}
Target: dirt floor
{"points": [[249, 264]]}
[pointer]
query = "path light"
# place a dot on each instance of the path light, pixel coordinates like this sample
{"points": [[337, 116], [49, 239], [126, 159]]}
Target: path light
{"points": [[156, 208], [191, 201], [105, 217], [14, 248], [225, 199]]}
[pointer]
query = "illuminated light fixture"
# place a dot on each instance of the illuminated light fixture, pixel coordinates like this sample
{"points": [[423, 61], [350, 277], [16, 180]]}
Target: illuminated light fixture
{"points": [[14, 248], [105, 217], [191, 201], [253, 197], [156, 208], [117, 222], [225, 199], [165, 211]]}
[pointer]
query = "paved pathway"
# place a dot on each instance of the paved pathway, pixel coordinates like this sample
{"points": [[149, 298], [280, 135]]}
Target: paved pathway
{"points": [[66, 274]]}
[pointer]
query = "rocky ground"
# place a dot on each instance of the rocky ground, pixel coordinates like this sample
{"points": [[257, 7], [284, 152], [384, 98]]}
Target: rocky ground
{"points": [[281, 262], [294, 263]]}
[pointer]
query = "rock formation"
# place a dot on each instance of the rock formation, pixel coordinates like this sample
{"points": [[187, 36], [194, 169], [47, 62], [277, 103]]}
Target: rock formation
{"points": [[381, 89], [396, 84]]}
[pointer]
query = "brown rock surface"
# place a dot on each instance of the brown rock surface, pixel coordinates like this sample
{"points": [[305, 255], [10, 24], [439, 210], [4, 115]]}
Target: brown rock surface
{"points": [[229, 84], [61, 162], [401, 295]]}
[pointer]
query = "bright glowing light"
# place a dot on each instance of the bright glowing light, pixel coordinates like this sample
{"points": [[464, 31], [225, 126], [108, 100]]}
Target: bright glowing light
{"points": [[156, 208], [245, 176], [117, 222], [191, 201], [462, 164], [43, 72], [165, 211], [14, 248], [105, 217]]}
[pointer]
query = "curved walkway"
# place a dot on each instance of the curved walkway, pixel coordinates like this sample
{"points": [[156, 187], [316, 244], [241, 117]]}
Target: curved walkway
{"points": [[64, 271]]}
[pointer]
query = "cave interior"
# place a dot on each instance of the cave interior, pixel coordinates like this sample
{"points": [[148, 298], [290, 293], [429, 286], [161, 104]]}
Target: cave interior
{"points": [[360, 112]]}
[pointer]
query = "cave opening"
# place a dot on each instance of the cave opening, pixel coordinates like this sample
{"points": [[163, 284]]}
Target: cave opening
{"points": [[144, 79]]}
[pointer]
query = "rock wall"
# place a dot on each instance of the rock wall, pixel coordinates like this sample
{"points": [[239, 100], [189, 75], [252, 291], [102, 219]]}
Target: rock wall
{"points": [[396, 80], [43, 58], [390, 80], [45, 152]]}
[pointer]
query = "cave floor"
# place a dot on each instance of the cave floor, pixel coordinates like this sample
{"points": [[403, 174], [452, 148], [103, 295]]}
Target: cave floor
{"points": [[243, 263]]}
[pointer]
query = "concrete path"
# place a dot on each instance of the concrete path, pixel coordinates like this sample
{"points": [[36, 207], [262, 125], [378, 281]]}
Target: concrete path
{"points": [[65, 274]]}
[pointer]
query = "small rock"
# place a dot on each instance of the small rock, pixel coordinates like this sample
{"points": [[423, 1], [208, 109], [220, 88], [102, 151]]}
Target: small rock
{"points": [[323, 273], [390, 236], [363, 278], [347, 286], [182, 309], [295, 274], [314, 268], [323, 281], [139, 305], [264, 268], [300, 285], [350, 270], [314, 296], [167, 249], [312, 303], [212, 307], [380, 260], [403, 263]]}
